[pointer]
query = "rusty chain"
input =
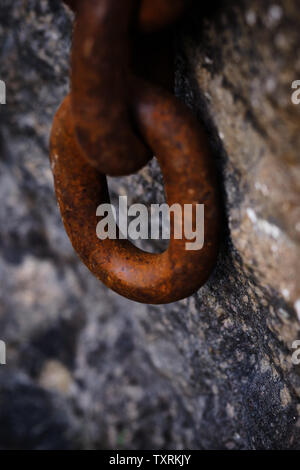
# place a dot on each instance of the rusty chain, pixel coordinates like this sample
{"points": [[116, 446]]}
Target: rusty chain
{"points": [[107, 125]]}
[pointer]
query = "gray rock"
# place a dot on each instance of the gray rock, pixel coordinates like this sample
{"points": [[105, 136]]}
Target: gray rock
{"points": [[89, 369]]}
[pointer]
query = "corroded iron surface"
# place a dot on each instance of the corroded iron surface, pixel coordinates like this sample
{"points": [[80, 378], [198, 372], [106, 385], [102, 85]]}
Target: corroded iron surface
{"points": [[100, 87], [112, 123], [100, 78], [185, 160]]}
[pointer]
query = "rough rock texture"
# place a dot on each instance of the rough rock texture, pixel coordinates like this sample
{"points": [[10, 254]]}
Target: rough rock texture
{"points": [[89, 369]]}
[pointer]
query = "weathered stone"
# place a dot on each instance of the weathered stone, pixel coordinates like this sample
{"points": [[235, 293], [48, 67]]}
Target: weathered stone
{"points": [[212, 371]]}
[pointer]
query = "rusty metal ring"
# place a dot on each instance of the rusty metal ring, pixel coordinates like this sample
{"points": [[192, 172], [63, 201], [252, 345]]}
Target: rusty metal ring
{"points": [[100, 87], [183, 153], [100, 84]]}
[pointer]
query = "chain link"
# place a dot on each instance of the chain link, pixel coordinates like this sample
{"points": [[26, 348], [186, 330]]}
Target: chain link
{"points": [[108, 125]]}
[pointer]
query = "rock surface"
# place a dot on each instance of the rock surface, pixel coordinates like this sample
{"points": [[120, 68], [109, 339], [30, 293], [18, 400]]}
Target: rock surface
{"points": [[89, 369]]}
